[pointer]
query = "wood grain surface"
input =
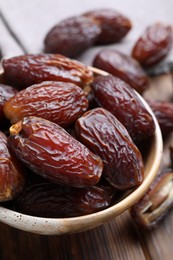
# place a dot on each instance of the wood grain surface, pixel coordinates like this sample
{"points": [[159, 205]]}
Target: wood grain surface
{"points": [[23, 26]]}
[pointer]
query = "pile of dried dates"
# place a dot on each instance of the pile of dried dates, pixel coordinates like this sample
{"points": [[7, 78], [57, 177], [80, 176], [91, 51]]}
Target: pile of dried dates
{"points": [[70, 140]]}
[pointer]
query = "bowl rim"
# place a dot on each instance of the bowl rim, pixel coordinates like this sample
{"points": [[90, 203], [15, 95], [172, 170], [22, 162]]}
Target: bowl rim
{"points": [[58, 226]]}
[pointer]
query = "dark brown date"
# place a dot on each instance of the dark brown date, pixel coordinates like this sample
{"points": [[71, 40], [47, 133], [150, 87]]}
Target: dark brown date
{"points": [[26, 70], [164, 113], [12, 179], [124, 103], [122, 66], [58, 102], [72, 36], [48, 150], [104, 135], [114, 25], [156, 203], [54, 201], [154, 44], [6, 92]]}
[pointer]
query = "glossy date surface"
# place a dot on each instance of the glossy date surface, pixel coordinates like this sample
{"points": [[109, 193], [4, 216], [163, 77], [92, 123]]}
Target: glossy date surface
{"points": [[103, 134], [114, 25], [59, 102], [54, 201], [12, 179], [6, 92], [26, 70], [123, 102], [163, 111], [153, 45], [72, 36], [51, 152], [122, 66]]}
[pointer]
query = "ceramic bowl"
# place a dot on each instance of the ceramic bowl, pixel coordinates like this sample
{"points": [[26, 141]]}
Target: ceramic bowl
{"points": [[58, 226]]}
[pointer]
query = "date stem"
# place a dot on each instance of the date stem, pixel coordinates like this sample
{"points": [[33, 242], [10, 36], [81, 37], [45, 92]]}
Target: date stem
{"points": [[16, 128]]}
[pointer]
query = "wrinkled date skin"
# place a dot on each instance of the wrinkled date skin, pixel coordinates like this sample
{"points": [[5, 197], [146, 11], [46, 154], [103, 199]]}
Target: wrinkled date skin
{"points": [[164, 113], [114, 25], [154, 44], [72, 36], [54, 201], [123, 102], [26, 70], [51, 152], [104, 135], [124, 67], [155, 204], [58, 102], [6, 92], [12, 179]]}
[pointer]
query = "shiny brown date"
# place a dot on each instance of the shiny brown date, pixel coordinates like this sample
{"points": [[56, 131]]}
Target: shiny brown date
{"points": [[59, 102], [123, 102], [6, 92], [54, 201], [114, 25], [156, 203], [12, 179], [26, 70], [122, 66], [72, 36], [104, 135], [51, 152], [154, 44], [164, 113]]}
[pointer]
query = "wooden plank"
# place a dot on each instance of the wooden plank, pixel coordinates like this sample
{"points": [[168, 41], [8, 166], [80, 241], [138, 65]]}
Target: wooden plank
{"points": [[114, 240], [159, 241]]}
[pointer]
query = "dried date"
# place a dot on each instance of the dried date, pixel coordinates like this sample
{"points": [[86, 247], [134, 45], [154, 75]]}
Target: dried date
{"points": [[12, 179], [164, 113], [58, 102], [48, 150], [114, 25], [26, 70], [123, 102], [54, 201], [154, 44], [6, 92], [104, 135], [155, 204], [72, 36], [122, 66]]}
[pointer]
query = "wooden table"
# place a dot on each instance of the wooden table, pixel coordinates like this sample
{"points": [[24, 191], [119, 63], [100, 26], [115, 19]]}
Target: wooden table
{"points": [[22, 26]]}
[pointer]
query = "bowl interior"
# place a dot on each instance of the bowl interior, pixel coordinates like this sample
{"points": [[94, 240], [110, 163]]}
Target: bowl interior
{"points": [[55, 226]]}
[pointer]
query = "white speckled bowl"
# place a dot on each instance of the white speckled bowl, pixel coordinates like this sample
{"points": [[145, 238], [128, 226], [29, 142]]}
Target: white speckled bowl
{"points": [[58, 226]]}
